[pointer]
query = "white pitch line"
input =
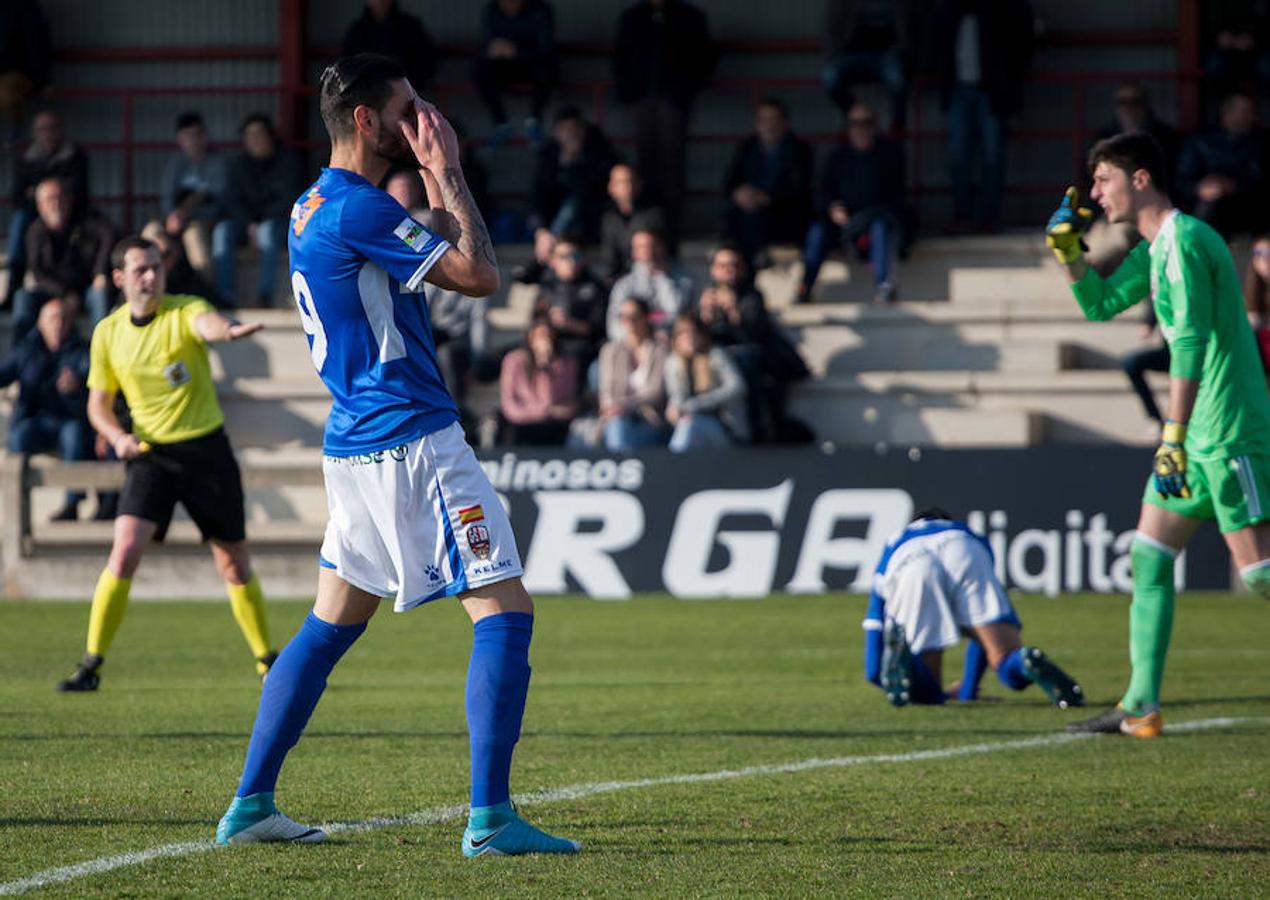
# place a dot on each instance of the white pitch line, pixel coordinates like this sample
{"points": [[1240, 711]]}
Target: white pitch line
{"points": [[440, 814]]}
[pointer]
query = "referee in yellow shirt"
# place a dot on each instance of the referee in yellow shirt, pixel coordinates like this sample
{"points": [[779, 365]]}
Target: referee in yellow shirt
{"points": [[154, 349]]}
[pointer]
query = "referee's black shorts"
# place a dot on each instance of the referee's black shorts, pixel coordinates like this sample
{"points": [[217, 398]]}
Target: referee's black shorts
{"points": [[201, 474]]}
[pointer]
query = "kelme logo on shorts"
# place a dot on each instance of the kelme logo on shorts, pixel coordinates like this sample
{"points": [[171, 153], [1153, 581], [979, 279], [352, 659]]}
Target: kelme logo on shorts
{"points": [[478, 540]]}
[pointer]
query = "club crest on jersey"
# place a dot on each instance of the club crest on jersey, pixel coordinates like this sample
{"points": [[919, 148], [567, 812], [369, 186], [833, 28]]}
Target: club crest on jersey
{"points": [[176, 373], [470, 514], [478, 540], [412, 234], [302, 212]]}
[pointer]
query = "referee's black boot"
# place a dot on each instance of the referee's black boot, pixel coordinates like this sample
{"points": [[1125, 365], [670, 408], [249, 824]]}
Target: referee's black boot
{"points": [[85, 677]]}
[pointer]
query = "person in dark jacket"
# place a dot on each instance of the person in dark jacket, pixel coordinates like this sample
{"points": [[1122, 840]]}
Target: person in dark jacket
{"points": [[768, 184], [69, 257], [570, 181], [264, 181], [982, 50], [862, 199], [50, 365], [574, 303], [49, 154], [662, 58], [518, 47], [384, 29], [626, 213], [1221, 174], [871, 42]]}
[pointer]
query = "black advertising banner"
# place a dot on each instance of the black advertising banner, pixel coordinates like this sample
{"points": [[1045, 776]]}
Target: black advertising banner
{"points": [[747, 523]]}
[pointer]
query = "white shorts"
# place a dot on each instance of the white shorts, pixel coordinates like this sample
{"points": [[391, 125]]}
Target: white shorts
{"points": [[420, 521], [942, 585]]}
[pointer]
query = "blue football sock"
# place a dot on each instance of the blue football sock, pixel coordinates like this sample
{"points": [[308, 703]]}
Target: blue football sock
{"points": [[1011, 671], [972, 672], [925, 688], [291, 692], [497, 683]]}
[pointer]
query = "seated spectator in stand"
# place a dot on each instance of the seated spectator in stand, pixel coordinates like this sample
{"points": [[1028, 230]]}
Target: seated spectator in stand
{"points": [[193, 186], [626, 213], [50, 365], [179, 275], [518, 47], [633, 383], [25, 62], [1149, 359], [1221, 175], [1238, 53], [705, 396], [574, 303], [384, 29], [768, 184], [736, 319], [264, 180], [49, 155], [654, 275], [1257, 296], [569, 183], [538, 390], [862, 197], [69, 257], [870, 42]]}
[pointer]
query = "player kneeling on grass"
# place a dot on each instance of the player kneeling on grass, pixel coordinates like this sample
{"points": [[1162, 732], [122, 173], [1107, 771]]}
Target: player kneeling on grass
{"points": [[935, 582], [413, 515], [1213, 461], [154, 349]]}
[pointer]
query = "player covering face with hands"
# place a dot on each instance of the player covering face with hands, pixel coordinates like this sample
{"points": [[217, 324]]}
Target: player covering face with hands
{"points": [[412, 515], [1213, 461]]}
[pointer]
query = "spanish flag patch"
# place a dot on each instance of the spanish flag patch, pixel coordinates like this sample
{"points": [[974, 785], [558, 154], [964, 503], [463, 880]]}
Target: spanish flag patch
{"points": [[471, 514]]}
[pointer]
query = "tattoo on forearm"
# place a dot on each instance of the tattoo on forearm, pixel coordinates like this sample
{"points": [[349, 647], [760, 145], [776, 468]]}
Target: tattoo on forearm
{"points": [[474, 241]]}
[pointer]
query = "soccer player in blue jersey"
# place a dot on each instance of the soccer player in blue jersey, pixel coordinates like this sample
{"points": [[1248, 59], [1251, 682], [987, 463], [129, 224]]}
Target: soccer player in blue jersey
{"points": [[412, 515], [935, 582]]}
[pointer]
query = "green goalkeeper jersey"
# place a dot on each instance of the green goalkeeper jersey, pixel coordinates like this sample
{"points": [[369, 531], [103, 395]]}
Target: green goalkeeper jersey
{"points": [[1190, 276]]}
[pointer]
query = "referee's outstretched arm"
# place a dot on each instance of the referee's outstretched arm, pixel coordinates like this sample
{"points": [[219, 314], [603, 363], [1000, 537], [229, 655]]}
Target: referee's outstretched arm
{"points": [[213, 327]]}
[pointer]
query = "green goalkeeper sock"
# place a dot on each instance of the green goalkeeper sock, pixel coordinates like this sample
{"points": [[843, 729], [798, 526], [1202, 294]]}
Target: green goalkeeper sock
{"points": [[1150, 622]]}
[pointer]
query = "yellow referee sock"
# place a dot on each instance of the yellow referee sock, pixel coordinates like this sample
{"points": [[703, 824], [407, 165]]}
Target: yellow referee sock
{"points": [[110, 601], [248, 603]]}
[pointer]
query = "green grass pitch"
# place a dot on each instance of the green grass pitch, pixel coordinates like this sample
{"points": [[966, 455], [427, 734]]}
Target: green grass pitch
{"points": [[648, 689]]}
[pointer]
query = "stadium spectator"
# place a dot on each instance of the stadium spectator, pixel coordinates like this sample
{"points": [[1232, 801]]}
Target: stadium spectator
{"points": [[861, 205], [655, 276], [768, 184], [517, 49], [569, 183], [538, 390], [1221, 175], [574, 303], [870, 42], [1257, 296], [69, 257], [662, 57], [179, 274], [705, 395], [626, 213], [49, 154], [736, 319], [1154, 358], [935, 582], [50, 365], [384, 29], [264, 180], [193, 187], [1238, 56], [633, 383], [25, 57], [983, 50]]}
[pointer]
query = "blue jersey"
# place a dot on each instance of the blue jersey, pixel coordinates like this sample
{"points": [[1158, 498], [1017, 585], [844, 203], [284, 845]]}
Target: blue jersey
{"points": [[357, 266]]}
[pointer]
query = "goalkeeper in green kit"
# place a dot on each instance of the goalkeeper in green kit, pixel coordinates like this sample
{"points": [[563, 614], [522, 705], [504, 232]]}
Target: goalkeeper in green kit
{"points": [[1214, 456]]}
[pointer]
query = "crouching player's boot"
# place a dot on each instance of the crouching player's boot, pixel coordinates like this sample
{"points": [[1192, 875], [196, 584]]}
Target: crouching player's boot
{"points": [[1060, 687], [255, 820]]}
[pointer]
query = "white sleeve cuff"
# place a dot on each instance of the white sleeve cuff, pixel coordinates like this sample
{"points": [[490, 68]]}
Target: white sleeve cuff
{"points": [[416, 280]]}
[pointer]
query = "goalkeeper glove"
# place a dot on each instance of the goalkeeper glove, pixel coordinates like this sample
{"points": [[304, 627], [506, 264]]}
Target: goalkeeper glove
{"points": [[1064, 233], [1170, 462]]}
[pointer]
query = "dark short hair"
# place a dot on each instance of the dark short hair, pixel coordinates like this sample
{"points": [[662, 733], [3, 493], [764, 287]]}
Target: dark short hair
{"points": [[650, 229], [644, 304], [1132, 151], [568, 114], [258, 118], [728, 246], [118, 256], [775, 103], [364, 79], [189, 119], [931, 512]]}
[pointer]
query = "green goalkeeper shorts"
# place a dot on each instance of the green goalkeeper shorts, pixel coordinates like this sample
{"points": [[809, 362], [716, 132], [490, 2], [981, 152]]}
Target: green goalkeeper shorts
{"points": [[1234, 491]]}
